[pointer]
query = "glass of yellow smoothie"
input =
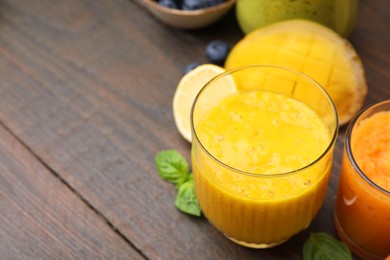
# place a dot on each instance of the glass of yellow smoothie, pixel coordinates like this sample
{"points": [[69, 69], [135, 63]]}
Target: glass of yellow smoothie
{"points": [[362, 215], [262, 155]]}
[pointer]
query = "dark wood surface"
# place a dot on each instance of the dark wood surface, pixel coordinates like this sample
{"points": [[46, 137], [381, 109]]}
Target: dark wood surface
{"points": [[86, 90]]}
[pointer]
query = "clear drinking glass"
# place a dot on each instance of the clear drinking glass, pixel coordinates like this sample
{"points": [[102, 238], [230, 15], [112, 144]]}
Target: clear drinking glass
{"points": [[258, 203], [362, 215]]}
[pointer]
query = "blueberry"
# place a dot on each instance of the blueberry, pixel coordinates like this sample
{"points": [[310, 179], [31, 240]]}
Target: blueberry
{"points": [[217, 51], [199, 4], [168, 3], [211, 3], [193, 4], [190, 67]]}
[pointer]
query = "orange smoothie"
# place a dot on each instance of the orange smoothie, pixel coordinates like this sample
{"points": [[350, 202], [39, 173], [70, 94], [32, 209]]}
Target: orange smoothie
{"points": [[363, 206], [257, 182]]}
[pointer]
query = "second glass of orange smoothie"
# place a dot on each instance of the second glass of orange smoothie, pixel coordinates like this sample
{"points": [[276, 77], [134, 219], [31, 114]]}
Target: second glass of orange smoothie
{"points": [[262, 155], [362, 215]]}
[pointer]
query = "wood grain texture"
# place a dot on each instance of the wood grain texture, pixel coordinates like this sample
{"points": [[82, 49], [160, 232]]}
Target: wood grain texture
{"points": [[371, 39], [88, 85], [41, 218]]}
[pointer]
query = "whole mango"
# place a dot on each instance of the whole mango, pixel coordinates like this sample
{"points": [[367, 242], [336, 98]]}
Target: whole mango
{"points": [[339, 15]]}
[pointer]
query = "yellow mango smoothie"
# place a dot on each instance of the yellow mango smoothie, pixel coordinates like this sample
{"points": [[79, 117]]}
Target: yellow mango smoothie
{"points": [[261, 165]]}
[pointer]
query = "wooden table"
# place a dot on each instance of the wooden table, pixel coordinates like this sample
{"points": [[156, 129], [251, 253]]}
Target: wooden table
{"points": [[86, 90]]}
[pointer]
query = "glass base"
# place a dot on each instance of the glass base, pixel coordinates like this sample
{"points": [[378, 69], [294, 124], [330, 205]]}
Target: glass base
{"points": [[254, 245], [356, 249]]}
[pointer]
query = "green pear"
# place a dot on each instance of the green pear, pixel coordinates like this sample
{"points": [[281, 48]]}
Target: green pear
{"points": [[339, 15]]}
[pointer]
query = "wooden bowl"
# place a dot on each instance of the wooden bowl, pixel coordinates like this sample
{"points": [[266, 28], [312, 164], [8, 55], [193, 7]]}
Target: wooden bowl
{"points": [[188, 19]]}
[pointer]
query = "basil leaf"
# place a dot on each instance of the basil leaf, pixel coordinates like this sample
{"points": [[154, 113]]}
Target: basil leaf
{"points": [[186, 200], [172, 167], [323, 246]]}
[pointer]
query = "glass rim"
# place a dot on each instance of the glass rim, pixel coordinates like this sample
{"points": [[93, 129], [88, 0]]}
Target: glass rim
{"points": [[348, 147], [274, 175]]}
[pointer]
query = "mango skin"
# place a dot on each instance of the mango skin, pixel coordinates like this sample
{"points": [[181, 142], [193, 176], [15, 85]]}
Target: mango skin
{"points": [[339, 15]]}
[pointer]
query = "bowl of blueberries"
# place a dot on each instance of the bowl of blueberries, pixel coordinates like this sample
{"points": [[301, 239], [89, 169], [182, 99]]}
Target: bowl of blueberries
{"points": [[189, 14]]}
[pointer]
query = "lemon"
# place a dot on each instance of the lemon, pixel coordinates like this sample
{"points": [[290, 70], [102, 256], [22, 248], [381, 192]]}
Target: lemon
{"points": [[311, 49], [188, 88]]}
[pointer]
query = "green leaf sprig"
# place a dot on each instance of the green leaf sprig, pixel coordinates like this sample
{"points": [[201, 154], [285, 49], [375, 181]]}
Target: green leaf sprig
{"points": [[323, 246], [173, 167]]}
